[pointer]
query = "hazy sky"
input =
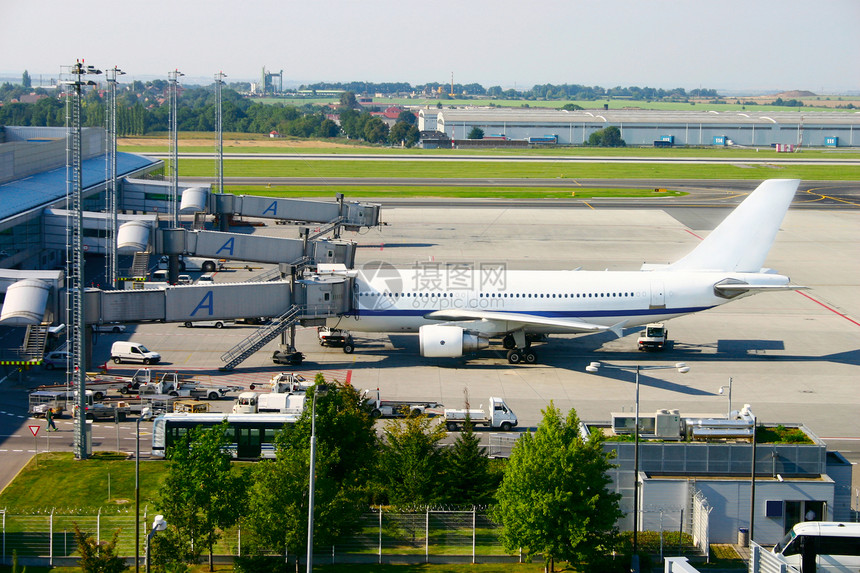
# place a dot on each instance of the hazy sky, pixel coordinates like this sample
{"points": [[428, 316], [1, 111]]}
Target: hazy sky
{"points": [[725, 44]]}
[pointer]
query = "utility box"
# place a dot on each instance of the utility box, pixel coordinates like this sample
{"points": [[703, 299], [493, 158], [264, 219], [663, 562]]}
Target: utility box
{"points": [[668, 424]]}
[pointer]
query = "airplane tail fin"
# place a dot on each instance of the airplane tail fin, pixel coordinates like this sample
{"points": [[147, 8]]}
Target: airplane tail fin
{"points": [[741, 242]]}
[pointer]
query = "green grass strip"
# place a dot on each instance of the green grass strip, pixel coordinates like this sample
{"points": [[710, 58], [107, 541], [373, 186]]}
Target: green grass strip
{"points": [[406, 191]]}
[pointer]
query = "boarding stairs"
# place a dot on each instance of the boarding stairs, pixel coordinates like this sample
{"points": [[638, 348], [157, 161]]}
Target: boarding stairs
{"points": [[140, 266], [35, 340], [326, 228], [260, 337], [275, 273]]}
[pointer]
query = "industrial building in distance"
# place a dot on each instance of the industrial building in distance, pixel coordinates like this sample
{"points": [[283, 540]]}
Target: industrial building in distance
{"points": [[643, 127]]}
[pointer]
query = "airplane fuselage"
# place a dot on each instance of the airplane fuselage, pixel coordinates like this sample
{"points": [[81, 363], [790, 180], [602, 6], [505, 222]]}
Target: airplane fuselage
{"points": [[400, 301]]}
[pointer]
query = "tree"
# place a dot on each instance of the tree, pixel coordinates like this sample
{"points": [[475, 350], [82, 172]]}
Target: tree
{"points": [[571, 107], [98, 557], [468, 479], [476, 133], [347, 99], [411, 463], [25, 80], [403, 132], [553, 498], [346, 453], [202, 494], [375, 130], [607, 137], [407, 116]]}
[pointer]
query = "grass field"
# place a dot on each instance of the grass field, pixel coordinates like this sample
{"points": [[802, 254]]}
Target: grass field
{"points": [[406, 191], [494, 170]]}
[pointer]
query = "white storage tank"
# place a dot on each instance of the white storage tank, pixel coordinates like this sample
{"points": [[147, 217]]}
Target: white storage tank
{"points": [[25, 303], [132, 237], [193, 199]]}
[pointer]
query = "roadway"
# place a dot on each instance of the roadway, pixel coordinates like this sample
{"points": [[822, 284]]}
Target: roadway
{"points": [[793, 356]]}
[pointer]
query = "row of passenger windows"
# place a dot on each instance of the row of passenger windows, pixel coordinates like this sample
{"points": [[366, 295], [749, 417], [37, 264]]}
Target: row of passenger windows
{"points": [[501, 295]]}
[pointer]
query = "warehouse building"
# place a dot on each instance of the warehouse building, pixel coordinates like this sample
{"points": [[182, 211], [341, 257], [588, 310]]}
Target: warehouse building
{"points": [[644, 127]]}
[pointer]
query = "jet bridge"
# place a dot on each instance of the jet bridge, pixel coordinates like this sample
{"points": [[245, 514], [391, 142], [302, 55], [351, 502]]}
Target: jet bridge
{"points": [[287, 302], [253, 248], [350, 215]]}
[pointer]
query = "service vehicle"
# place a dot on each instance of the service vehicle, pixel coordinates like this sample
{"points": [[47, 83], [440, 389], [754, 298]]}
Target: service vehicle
{"points": [[289, 358], [828, 545], [117, 411], [184, 280], [380, 408], [335, 337], [286, 382], [191, 406], [124, 351], [221, 323], [58, 401], [206, 279], [654, 337], [170, 385], [497, 415], [98, 385], [269, 402], [124, 384], [56, 359], [110, 327], [193, 264]]}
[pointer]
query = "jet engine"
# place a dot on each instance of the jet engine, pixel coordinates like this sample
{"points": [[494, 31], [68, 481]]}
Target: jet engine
{"points": [[443, 341]]}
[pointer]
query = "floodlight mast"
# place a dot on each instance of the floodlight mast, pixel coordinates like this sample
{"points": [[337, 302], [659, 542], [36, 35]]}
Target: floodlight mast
{"points": [[173, 96], [219, 130], [76, 374], [110, 164], [593, 368]]}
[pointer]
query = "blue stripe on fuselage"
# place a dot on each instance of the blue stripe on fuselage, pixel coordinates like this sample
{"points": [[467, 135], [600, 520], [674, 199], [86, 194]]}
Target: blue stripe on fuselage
{"points": [[543, 313]]}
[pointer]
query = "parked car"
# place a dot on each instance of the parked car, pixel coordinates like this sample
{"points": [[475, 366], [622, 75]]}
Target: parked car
{"points": [[184, 280], [55, 359], [206, 279], [216, 323], [110, 327]]}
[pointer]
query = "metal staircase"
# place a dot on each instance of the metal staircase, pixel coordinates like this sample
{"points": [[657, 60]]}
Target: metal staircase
{"points": [[260, 337], [275, 273], [35, 339], [140, 266]]}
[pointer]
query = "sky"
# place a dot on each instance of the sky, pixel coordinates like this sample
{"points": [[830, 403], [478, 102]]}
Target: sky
{"points": [[728, 45]]}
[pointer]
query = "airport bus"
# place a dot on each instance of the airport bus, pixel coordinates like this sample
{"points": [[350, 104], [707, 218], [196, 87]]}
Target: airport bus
{"points": [[250, 436], [829, 545]]}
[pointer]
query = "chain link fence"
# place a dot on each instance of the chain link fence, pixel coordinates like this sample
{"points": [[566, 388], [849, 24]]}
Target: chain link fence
{"points": [[382, 536]]}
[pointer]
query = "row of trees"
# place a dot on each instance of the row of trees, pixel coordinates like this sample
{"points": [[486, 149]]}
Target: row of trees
{"points": [[543, 92], [551, 498]]}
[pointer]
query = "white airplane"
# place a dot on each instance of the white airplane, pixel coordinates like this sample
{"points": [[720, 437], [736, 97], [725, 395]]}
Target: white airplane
{"points": [[458, 310]]}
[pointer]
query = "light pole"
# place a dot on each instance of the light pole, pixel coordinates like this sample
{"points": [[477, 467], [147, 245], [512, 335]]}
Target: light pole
{"points": [[319, 390], [158, 524], [722, 388], [173, 94], [593, 368]]}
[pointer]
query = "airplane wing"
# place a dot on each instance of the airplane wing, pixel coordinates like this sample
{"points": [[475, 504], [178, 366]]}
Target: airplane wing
{"points": [[511, 321]]}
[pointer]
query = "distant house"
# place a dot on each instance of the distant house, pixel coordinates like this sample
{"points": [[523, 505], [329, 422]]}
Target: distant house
{"points": [[274, 134]]}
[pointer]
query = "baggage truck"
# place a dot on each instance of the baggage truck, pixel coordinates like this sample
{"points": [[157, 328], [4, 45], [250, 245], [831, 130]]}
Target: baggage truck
{"points": [[497, 415], [397, 408]]}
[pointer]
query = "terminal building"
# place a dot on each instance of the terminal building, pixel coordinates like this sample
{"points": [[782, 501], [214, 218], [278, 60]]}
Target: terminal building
{"points": [[35, 238], [644, 127]]}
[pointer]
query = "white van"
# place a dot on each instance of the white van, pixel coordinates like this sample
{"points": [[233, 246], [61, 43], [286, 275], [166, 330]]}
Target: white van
{"points": [[206, 279], [122, 351], [835, 546]]}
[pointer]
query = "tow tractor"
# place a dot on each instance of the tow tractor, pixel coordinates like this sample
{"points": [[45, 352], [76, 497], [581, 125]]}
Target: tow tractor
{"points": [[336, 337], [654, 337]]}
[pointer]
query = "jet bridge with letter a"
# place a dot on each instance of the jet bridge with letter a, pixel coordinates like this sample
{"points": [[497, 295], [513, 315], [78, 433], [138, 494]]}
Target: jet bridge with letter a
{"points": [[285, 302], [254, 248], [351, 215]]}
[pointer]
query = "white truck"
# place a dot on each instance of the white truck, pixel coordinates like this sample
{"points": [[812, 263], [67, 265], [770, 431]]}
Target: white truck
{"points": [[497, 415], [193, 264], [286, 382], [170, 385], [269, 402], [654, 337], [380, 408]]}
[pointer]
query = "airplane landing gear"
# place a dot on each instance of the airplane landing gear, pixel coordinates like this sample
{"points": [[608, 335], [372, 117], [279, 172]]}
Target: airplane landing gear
{"points": [[519, 356]]}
